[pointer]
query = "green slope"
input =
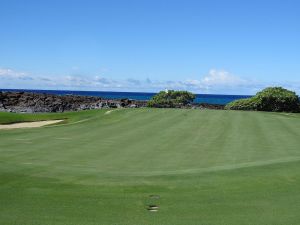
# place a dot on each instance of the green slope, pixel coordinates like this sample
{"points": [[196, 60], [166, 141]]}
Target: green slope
{"points": [[209, 167]]}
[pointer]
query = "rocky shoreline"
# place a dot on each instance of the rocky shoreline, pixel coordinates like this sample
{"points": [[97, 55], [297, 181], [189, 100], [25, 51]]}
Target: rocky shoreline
{"points": [[27, 102]]}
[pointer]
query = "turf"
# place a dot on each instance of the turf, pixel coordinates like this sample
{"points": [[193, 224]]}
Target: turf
{"points": [[208, 167], [8, 118]]}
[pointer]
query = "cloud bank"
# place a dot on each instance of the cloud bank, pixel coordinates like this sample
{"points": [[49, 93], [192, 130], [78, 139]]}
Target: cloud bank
{"points": [[215, 82]]}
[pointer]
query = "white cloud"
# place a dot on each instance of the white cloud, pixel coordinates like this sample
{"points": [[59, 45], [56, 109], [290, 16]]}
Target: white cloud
{"points": [[134, 81], [221, 81], [216, 81], [12, 74], [102, 80], [221, 78]]}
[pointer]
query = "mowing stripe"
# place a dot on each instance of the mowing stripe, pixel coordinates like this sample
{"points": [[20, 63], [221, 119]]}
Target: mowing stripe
{"points": [[81, 121], [210, 169]]}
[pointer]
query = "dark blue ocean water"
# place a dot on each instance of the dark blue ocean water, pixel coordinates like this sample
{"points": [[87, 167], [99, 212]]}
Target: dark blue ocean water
{"points": [[200, 98]]}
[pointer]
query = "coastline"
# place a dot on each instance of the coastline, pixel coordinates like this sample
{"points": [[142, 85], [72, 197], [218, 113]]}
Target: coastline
{"points": [[221, 99], [29, 102]]}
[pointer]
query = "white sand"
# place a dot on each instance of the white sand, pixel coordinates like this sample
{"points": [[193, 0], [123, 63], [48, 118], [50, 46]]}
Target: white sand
{"points": [[29, 124]]}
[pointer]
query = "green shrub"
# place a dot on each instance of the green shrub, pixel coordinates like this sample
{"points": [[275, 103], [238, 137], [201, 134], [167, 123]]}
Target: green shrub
{"points": [[272, 99], [243, 104], [278, 99], [171, 99]]}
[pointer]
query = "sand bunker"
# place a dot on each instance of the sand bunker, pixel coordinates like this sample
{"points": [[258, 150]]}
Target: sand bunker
{"points": [[29, 124]]}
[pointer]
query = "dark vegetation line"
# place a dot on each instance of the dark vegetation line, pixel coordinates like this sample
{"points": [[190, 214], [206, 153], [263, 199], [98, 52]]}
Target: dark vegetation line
{"points": [[274, 99]]}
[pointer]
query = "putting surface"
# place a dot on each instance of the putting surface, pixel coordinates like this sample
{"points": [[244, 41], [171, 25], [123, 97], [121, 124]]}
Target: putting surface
{"points": [[204, 167]]}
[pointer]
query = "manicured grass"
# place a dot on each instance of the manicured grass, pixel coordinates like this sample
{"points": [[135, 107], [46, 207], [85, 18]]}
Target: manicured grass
{"points": [[208, 167], [8, 118]]}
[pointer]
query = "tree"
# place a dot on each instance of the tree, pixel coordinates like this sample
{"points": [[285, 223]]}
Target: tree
{"points": [[171, 99], [272, 99]]}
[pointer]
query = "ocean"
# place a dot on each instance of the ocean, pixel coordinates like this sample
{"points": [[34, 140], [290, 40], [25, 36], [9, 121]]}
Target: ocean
{"points": [[200, 98]]}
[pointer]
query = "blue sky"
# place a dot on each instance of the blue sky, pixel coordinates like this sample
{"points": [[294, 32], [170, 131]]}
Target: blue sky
{"points": [[209, 46]]}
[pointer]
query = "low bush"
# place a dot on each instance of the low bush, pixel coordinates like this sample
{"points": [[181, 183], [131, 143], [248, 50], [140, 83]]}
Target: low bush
{"points": [[243, 104], [272, 99], [171, 99]]}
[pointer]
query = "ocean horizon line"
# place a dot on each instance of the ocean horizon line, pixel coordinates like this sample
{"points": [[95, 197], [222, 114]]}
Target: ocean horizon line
{"points": [[221, 99], [144, 92]]}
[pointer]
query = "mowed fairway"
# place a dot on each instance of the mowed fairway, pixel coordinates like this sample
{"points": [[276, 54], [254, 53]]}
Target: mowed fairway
{"points": [[208, 168]]}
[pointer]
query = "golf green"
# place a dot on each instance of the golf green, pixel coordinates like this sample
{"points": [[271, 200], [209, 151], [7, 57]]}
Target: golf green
{"points": [[201, 167]]}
